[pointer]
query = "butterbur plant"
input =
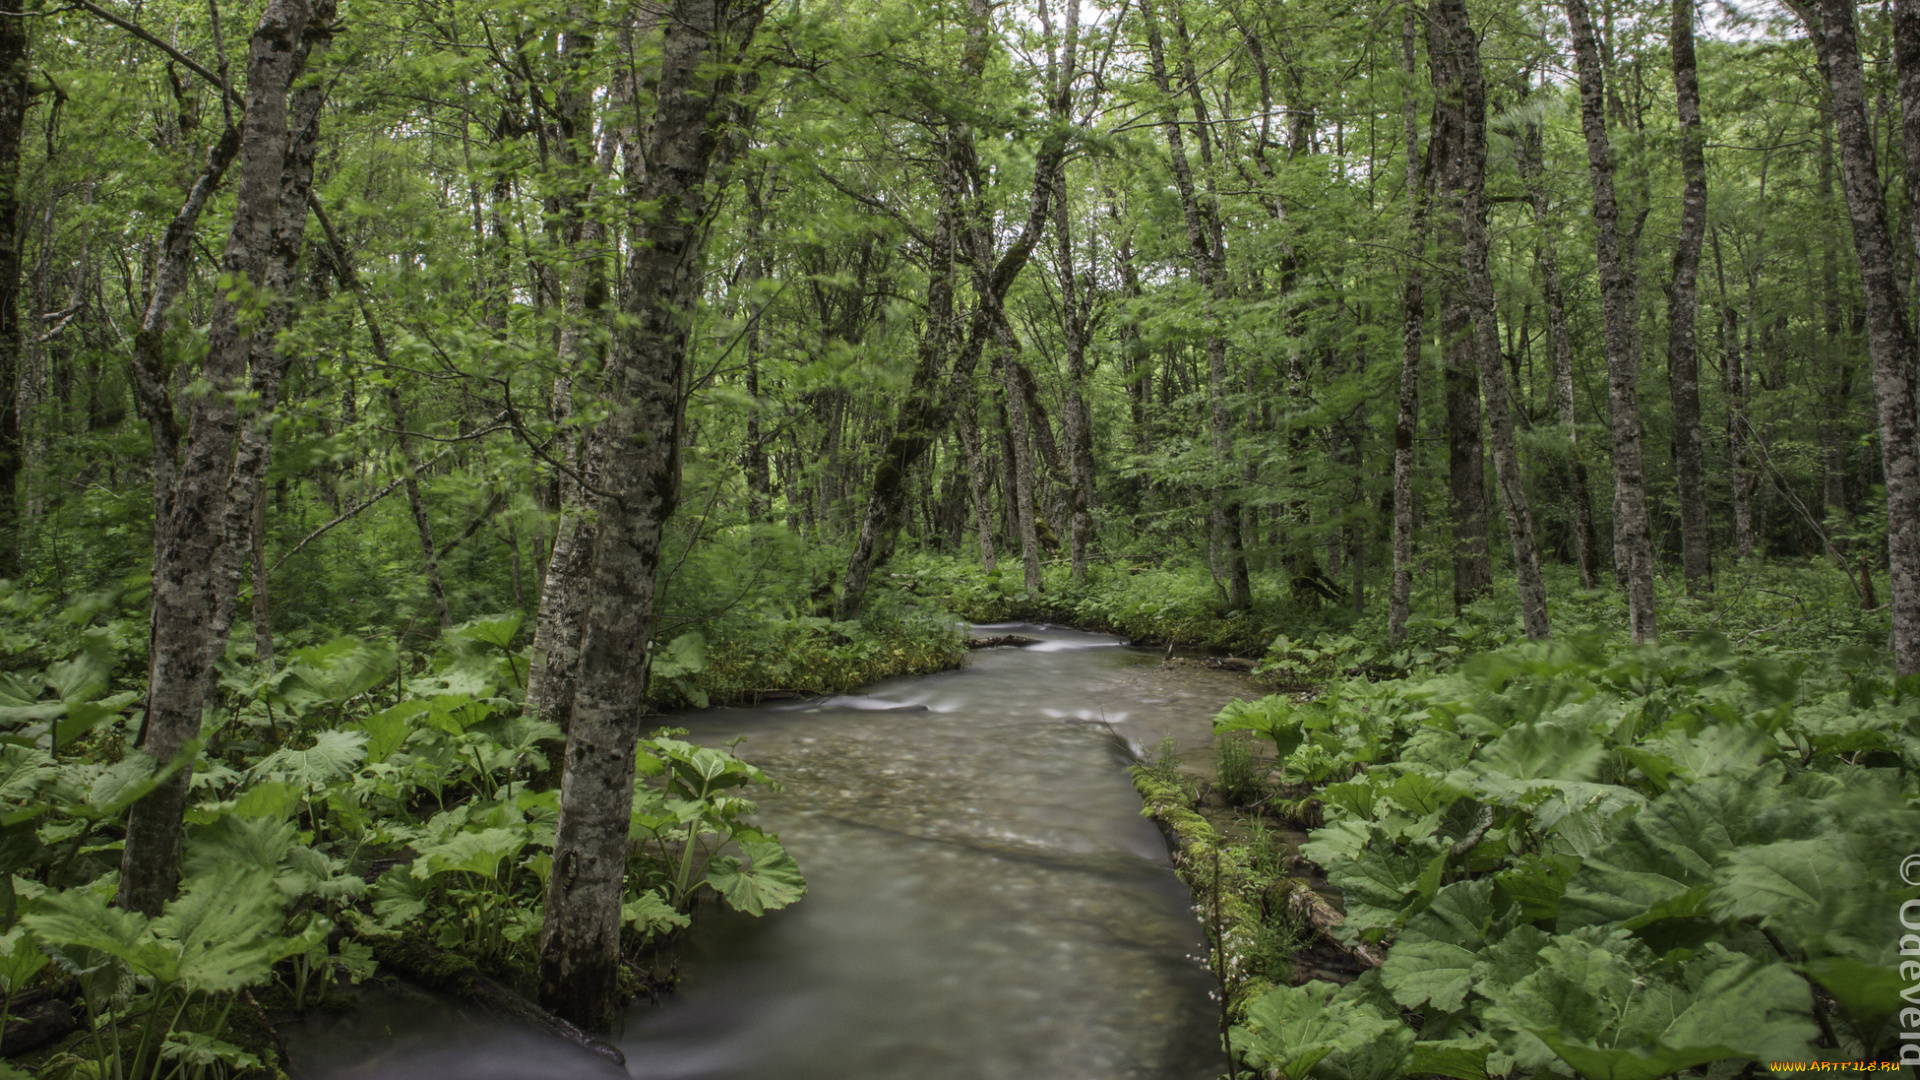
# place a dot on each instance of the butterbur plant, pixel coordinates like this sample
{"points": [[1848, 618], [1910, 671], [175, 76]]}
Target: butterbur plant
{"points": [[692, 830], [1617, 865]]}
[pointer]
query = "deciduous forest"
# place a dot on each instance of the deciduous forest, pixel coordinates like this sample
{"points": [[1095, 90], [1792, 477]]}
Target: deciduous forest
{"points": [[415, 408]]}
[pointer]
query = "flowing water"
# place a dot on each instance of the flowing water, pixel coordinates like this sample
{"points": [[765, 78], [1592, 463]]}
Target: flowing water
{"points": [[984, 899]]}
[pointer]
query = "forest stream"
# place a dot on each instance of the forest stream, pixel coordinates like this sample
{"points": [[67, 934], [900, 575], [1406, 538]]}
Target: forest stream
{"points": [[984, 898]]}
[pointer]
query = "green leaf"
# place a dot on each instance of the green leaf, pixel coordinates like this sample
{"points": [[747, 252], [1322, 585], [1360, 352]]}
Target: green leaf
{"points": [[334, 755], [20, 960], [1418, 972], [687, 655], [1544, 751], [272, 799], [1293, 1029], [200, 1050], [1600, 1005], [772, 881], [649, 914], [387, 730], [1461, 1059], [1870, 993], [220, 925], [469, 852], [1660, 863]]}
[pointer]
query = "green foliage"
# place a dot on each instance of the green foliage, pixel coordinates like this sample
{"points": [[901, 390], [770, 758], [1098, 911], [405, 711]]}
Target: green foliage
{"points": [[355, 759], [1616, 862]]}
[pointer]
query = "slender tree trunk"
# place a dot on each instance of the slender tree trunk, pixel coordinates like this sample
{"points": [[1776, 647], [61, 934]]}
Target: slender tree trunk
{"points": [[565, 581], [1683, 305], [638, 449], [969, 424], [1077, 423], [1448, 154], [262, 612], [1024, 480], [422, 525], [1632, 537], [1735, 371], [194, 503], [1837, 386], [14, 99], [1532, 167], [1460, 142], [1413, 332], [1890, 335]]}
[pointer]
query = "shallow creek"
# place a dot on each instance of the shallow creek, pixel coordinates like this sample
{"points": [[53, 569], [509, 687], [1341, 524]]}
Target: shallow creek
{"points": [[984, 899]]}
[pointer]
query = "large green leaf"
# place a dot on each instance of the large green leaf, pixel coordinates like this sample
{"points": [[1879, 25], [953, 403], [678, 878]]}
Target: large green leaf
{"points": [[1293, 1029], [388, 729], [334, 755], [773, 880], [1661, 861], [221, 926], [469, 852], [1544, 751], [1600, 1005]]}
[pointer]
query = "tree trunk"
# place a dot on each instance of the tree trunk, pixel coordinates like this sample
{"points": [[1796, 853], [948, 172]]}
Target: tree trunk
{"points": [[1735, 371], [975, 233], [1890, 336], [1448, 154], [554, 663], [262, 612], [1023, 477], [1413, 323], [1077, 423], [969, 424], [14, 99], [195, 500], [638, 449], [1530, 158], [1460, 148], [1683, 305], [1633, 541]]}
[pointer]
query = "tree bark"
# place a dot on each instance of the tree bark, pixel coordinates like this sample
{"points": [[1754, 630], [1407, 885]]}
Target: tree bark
{"points": [[14, 99], [195, 473], [564, 584], [1413, 332], [1632, 538], [1733, 349], [969, 424], [1530, 158], [1460, 146], [638, 449], [1077, 423], [1448, 154], [1683, 306], [1024, 480], [1890, 335]]}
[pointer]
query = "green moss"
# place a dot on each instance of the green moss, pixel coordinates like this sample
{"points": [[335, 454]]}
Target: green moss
{"points": [[1218, 875]]}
